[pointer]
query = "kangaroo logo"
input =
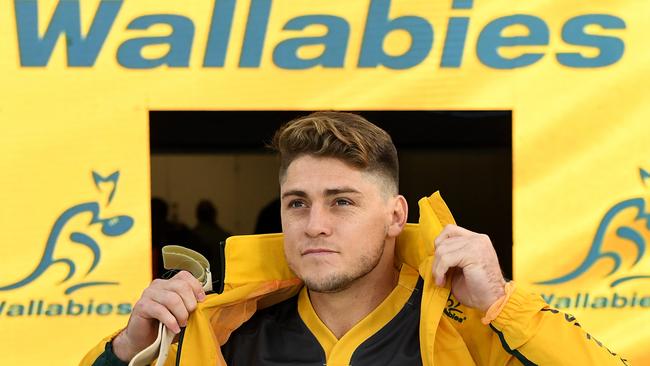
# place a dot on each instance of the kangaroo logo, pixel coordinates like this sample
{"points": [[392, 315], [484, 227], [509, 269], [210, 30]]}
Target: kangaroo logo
{"points": [[110, 226], [625, 232], [452, 311]]}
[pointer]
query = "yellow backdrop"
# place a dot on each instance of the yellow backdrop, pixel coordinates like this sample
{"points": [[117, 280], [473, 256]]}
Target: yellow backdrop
{"points": [[77, 80]]}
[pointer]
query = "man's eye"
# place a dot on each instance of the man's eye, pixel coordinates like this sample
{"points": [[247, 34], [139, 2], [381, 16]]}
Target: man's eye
{"points": [[343, 202], [296, 204]]}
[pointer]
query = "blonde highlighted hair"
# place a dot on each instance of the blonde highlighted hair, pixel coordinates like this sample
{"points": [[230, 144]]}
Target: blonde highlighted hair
{"points": [[344, 136]]}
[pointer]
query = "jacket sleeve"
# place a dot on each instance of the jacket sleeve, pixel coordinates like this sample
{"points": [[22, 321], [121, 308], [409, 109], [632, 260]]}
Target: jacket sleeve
{"points": [[102, 354], [108, 358], [528, 332]]}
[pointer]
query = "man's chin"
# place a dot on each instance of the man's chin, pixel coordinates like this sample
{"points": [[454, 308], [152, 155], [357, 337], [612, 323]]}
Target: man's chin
{"points": [[328, 285]]}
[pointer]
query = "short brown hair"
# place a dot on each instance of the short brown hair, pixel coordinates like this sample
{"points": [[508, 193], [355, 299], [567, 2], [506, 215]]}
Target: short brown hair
{"points": [[345, 136]]}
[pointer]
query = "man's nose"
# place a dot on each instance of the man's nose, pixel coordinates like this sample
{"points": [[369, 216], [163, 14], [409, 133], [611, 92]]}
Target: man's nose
{"points": [[319, 223]]}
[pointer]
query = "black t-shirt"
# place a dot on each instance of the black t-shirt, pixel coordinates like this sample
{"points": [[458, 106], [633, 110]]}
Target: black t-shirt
{"points": [[278, 336]]}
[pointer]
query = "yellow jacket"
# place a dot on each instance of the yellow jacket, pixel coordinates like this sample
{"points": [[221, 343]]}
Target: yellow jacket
{"points": [[526, 331]]}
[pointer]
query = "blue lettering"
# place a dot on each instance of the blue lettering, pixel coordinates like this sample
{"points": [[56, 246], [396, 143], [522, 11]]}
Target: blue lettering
{"points": [[490, 40], [548, 298], [124, 309], [81, 51], [335, 42], [16, 310], [54, 309], [258, 20], [611, 48], [74, 308], [645, 302], [600, 302], [563, 303], [104, 309], [129, 54], [618, 301], [215, 52], [452, 54], [462, 4], [378, 25]]}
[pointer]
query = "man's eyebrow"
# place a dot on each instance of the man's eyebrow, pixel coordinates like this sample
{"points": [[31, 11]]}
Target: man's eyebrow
{"points": [[295, 192], [328, 192], [340, 190]]}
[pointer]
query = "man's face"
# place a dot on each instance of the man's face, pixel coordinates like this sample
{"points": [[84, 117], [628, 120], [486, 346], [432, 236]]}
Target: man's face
{"points": [[335, 219]]}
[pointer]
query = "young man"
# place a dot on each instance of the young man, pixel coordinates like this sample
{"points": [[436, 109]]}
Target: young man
{"points": [[363, 302]]}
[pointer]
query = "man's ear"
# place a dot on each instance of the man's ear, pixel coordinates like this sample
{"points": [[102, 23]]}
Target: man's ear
{"points": [[398, 216]]}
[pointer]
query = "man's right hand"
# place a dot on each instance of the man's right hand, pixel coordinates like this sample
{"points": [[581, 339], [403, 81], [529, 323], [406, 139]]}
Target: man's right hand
{"points": [[167, 301]]}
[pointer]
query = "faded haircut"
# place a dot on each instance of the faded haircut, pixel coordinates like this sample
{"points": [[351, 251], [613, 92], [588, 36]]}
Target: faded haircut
{"points": [[344, 136]]}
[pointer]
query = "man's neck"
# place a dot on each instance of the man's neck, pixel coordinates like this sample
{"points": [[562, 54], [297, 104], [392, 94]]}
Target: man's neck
{"points": [[340, 311]]}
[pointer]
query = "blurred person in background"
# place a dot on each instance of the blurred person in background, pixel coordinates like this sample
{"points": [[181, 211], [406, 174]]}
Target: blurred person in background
{"points": [[207, 232], [165, 231]]}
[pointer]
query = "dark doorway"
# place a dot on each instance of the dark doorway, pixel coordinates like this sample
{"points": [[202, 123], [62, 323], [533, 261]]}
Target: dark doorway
{"points": [[466, 155]]}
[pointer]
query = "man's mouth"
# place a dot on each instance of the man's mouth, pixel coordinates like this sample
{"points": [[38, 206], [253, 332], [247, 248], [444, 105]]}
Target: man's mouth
{"points": [[318, 251]]}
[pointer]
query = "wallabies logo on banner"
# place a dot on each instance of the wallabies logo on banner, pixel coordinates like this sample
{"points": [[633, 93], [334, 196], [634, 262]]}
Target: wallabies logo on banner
{"points": [[110, 225], [632, 232], [616, 254]]}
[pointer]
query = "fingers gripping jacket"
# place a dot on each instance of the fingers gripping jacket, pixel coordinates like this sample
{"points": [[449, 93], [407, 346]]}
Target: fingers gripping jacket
{"points": [[174, 257]]}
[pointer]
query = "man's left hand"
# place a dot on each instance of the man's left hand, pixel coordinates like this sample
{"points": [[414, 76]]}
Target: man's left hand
{"points": [[469, 259]]}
